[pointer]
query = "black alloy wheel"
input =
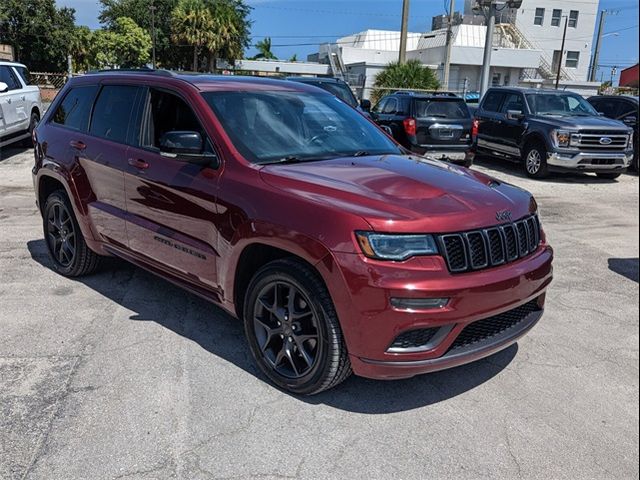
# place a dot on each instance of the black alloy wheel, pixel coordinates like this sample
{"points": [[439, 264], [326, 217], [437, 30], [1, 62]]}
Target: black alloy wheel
{"points": [[293, 329], [67, 248]]}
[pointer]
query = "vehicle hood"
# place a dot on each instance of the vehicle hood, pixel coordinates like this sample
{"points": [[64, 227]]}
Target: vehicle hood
{"points": [[402, 193], [579, 123]]}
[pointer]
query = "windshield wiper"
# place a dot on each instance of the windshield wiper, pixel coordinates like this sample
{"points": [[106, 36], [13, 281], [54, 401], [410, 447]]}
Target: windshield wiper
{"points": [[360, 153]]}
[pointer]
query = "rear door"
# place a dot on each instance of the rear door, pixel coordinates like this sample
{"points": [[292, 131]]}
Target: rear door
{"points": [[511, 130], [489, 121], [171, 202], [102, 153], [442, 121]]}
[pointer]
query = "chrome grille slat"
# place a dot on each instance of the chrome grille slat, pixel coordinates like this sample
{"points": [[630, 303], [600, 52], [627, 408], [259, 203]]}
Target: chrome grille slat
{"points": [[490, 247]]}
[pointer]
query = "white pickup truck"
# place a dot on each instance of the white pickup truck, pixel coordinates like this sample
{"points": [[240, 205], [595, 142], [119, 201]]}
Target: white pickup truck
{"points": [[20, 104]]}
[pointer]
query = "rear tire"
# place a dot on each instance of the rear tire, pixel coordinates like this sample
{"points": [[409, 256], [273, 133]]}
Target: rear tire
{"points": [[67, 248], [293, 329], [535, 161], [33, 123], [608, 176]]}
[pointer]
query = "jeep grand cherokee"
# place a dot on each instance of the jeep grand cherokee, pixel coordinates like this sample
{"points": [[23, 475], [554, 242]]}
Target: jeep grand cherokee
{"points": [[289, 209]]}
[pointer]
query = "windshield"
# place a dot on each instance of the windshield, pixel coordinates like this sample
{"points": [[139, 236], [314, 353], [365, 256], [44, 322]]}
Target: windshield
{"points": [[563, 104], [454, 109], [269, 127]]}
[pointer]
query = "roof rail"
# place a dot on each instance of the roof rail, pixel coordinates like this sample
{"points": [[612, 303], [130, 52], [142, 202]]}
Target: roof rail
{"points": [[145, 71], [442, 93]]}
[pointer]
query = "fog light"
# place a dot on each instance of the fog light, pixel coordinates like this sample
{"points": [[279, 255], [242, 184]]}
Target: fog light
{"points": [[418, 303]]}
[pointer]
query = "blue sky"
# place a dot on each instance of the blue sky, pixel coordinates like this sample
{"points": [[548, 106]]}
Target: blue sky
{"points": [[297, 26]]}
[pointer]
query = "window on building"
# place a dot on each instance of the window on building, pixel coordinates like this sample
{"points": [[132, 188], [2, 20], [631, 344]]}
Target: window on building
{"points": [[573, 58], [539, 18], [556, 18], [573, 18]]}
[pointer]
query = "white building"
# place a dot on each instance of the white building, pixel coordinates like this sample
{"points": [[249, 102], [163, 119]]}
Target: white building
{"points": [[526, 49]]}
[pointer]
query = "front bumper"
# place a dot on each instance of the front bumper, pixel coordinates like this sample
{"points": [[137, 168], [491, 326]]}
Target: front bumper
{"points": [[590, 161], [370, 324]]}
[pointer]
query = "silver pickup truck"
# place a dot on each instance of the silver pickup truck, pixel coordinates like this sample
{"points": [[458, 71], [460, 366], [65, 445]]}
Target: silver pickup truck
{"points": [[20, 104]]}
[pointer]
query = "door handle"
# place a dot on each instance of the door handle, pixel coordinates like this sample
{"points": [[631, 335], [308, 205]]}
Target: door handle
{"points": [[77, 144], [8, 100], [23, 98], [139, 164]]}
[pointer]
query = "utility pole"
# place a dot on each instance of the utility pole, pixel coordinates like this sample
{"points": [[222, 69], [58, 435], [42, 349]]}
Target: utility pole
{"points": [[152, 7], [447, 55], [404, 31], [488, 49], [596, 54], [564, 39]]}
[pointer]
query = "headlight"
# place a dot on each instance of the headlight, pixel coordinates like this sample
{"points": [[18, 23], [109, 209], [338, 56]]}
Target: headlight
{"points": [[562, 138], [384, 246]]}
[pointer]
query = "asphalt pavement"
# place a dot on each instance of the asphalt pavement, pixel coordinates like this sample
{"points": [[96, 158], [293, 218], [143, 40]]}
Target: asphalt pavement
{"points": [[122, 375]]}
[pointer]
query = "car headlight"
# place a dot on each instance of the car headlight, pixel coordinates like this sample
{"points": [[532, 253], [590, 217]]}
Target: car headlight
{"points": [[383, 246], [562, 138]]}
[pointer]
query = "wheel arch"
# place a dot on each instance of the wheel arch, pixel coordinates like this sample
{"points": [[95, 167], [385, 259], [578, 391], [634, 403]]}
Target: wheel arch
{"points": [[530, 138]]}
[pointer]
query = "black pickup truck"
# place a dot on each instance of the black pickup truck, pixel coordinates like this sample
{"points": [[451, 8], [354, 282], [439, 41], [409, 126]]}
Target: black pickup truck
{"points": [[552, 130]]}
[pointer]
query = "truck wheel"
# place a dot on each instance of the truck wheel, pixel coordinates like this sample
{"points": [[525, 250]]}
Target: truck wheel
{"points": [[608, 176], [33, 123], [535, 161], [69, 252], [293, 329]]}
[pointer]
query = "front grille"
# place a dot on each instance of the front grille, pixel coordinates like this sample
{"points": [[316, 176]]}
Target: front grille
{"points": [[482, 330], [413, 339], [477, 250], [591, 139]]}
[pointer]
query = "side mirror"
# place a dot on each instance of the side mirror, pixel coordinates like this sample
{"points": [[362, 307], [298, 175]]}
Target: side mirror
{"points": [[365, 105], [178, 141], [516, 115], [4, 87]]}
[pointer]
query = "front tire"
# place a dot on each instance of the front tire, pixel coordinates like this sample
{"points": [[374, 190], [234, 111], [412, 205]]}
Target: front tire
{"points": [[68, 251], [608, 176], [293, 330], [535, 161]]}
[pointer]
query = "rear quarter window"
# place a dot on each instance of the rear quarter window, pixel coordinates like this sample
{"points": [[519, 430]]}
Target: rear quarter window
{"points": [[73, 112], [25, 75]]}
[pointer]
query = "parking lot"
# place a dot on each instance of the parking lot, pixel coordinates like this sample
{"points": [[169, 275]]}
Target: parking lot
{"points": [[122, 375]]}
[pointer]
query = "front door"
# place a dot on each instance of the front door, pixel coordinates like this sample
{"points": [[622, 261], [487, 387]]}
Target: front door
{"points": [[12, 103], [512, 130], [170, 200]]}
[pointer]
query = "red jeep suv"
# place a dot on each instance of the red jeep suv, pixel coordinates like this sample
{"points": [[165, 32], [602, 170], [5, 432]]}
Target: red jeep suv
{"points": [[292, 211]]}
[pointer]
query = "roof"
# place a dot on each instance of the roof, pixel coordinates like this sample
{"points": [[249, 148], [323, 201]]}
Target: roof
{"points": [[13, 64], [315, 80], [388, 40], [205, 81], [530, 90]]}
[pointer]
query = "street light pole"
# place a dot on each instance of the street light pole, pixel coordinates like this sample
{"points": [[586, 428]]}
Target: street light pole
{"points": [[488, 49], [152, 7], [447, 57], [564, 39], [404, 31], [596, 54]]}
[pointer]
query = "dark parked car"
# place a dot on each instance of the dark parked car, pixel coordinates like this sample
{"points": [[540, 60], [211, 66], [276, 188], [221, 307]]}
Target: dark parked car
{"points": [[296, 214], [439, 125], [337, 87], [621, 108], [552, 130]]}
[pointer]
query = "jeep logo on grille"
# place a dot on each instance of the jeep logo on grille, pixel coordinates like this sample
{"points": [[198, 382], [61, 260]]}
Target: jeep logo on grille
{"points": [[503, 215], [606, 141]]}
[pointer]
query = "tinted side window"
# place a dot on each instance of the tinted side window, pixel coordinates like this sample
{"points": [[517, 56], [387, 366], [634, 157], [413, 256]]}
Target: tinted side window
{"points": [[168, 113], [391, 106], [608, 106], [113, 112], [380, 105], [7, 76], [492, 101], [24, 73], [74, 110], [513, 101]]}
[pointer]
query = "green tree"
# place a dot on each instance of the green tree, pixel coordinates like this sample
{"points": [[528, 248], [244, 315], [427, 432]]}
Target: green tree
{"points": [[232, 29], [38, 31], [124, 45], [80, 48], [192, 24], [294, 58], [264, 50], [411, 74]]}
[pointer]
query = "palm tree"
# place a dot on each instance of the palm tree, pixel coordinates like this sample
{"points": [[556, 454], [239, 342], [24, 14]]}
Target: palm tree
{"points": [[231, 30], [264, 50], [192, 23], [411, 74]]}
